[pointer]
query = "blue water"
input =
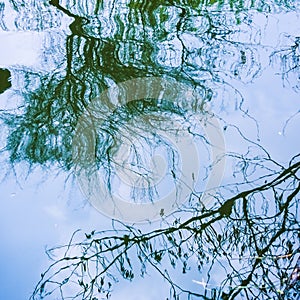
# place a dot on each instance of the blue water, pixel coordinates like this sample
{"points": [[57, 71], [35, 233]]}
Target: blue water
{"points": [[232, 72]]}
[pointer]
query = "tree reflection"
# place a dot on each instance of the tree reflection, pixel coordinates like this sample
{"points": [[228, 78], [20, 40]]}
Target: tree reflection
{"points": [[256, 250], [251, 228], [289, 56], [158, 39]]}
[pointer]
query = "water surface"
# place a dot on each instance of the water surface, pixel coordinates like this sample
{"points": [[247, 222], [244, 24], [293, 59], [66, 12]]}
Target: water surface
{"points": [[230, 65]]}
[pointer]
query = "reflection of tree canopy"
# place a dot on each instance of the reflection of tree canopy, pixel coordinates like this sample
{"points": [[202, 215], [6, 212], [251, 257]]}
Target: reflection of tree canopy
{"points": [[188, 41], [251, 232]]}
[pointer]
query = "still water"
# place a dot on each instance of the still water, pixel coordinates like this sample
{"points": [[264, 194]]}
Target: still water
{"points": [[153, 113]]}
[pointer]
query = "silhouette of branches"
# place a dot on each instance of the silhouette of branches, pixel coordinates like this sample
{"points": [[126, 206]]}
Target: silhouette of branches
{"points": [[258, 249]]}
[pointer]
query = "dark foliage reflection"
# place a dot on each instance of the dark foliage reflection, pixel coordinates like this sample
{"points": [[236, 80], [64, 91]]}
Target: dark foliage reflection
{"points": [[193, 44]]}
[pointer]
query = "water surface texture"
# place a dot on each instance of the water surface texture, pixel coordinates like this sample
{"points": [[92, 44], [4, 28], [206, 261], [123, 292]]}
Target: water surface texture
{"points": [[164, 135]]}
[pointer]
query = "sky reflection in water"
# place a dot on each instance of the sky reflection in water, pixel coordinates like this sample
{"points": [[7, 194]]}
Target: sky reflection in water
{"points": [[242, 60]]}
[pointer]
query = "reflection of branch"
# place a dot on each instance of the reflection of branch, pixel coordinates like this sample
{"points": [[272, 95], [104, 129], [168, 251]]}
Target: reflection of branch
{"points": [[234, 292], [102, 255], [294, 280], [2, 24], [290, 60], [288, 120], [56, 4]]}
